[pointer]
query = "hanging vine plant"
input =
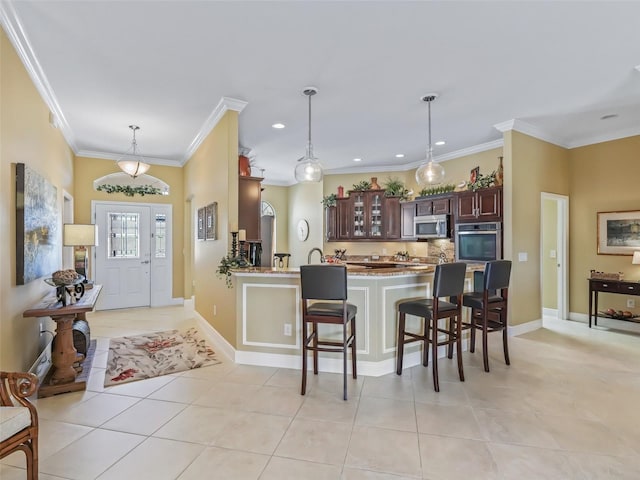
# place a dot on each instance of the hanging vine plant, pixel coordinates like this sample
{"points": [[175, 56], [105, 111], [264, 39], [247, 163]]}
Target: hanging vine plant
{"points": [[130, 190]]}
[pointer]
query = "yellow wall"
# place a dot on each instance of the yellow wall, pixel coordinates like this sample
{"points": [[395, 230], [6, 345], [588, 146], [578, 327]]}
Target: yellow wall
{"points": [[549, 264], [532, 166], [305, 202], [211, 175], [604, 178], [26, 137], [278, 197], [89, 169]]}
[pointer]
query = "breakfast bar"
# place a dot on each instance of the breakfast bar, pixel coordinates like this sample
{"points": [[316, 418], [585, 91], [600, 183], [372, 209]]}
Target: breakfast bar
{"points": [[269, 315]]}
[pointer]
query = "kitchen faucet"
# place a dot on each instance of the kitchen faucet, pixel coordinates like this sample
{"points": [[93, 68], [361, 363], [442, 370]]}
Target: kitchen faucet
{"points": [[316, 249]]}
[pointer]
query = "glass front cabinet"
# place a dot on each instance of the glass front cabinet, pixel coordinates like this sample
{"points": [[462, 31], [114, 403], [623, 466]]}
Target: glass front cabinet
{"points": [[363, 216]]}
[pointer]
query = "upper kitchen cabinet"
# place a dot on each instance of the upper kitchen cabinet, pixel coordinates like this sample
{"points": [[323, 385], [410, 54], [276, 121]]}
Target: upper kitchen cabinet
{"points": [[331, 223], [436, 205], [367, 215], [249, 198], [407, 215], [483, 205]]}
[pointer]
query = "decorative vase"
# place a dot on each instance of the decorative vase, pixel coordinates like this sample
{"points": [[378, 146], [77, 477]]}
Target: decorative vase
{"points": [[340, 191], [374, 183], [244, 166], [499, 173]]}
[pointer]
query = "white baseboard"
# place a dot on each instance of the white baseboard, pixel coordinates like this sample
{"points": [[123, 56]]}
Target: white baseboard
{"points": [[43, 363], [216, 339], [189, 305], [515, 330], [550, 312]]}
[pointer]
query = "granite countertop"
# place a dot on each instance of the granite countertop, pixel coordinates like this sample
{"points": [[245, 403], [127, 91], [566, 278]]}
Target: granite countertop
{"points": [[370, 270]]}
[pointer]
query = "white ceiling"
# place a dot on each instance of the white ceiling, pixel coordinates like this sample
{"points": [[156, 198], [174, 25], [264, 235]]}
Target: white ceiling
{"points": [[553, 67]]}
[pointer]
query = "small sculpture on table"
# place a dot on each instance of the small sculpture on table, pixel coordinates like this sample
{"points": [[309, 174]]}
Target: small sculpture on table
{"points": [[67, 282]]}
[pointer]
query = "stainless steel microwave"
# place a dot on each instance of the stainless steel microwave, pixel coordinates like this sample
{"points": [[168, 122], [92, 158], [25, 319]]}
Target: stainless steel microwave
{"points": [[431, 226]]}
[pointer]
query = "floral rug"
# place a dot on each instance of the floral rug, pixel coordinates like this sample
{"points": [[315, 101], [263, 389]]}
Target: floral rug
{"points": [[154, 354]]}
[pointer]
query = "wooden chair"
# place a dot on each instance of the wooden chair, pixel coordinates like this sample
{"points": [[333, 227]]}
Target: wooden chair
{"points": [[489, 307], [448, 281], [327, 283], [19, 418]]}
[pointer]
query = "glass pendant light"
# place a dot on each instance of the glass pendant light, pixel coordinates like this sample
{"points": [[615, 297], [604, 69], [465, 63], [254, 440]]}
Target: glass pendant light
{"points": [[308, 169], [429, 173], [132, 163]]}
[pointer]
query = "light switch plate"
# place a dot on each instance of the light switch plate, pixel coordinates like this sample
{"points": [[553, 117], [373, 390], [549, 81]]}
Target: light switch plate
{"points": [[552, 254], [522, 256]]}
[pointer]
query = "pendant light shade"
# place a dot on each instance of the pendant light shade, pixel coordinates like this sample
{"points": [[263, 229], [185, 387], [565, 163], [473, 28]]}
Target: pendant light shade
{"points": [[132, 163], [308, 168], [429, 173]]}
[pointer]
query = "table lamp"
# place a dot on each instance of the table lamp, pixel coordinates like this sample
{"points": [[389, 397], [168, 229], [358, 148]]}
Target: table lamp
{"points": [[80, 237]]}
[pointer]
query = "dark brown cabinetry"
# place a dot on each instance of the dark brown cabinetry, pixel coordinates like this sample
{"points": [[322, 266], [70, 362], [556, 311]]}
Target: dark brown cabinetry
{"points": [[367, 215], [481, 206], [331, 223], [440, 205], [249, 208], [407, 214]]}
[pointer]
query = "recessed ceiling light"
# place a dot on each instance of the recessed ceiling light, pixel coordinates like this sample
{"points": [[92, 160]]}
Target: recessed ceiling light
{"points": [[608, 116], [278, 125], [441, 142], [357, 159], [399, 155]]}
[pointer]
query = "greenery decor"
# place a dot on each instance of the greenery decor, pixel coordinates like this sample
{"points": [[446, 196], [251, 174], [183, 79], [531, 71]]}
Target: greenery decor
{"points": [[483, 181], [227, 264], [363, 185], [446, 188], [329, 200], [394, 187], [129, 190]]}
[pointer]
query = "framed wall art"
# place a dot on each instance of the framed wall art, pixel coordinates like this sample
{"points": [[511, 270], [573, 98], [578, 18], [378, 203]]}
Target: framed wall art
{"points": [[200, 223], [210, 217], [37, 226], [618, 232]]}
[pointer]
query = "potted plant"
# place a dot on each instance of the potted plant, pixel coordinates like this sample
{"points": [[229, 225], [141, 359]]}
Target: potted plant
{"points": [[482, 181], [227, 264], [394, 187], [329, 200], [362, 186]]}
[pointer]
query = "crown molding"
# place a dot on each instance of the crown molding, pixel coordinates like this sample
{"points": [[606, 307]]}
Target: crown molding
{"points": [[225, 104], [483, 147], [607, 137], [531, 130], [115, 158], [13, 27]]}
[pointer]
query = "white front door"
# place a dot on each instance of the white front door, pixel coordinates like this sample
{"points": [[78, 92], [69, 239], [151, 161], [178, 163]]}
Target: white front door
{"points": [[123, 256]]}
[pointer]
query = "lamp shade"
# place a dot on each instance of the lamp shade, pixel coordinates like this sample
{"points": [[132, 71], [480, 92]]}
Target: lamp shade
{"points": [[636, 258], [80, 235], [133, 167]]}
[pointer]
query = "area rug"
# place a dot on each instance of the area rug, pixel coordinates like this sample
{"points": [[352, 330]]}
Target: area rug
{"points": [[154, 354]]}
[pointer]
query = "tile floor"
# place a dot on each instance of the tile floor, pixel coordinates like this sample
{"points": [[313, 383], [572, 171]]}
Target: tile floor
{"points": [[567, 408]]}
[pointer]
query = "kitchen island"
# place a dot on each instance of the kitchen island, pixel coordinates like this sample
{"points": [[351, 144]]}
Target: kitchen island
{"points": [[268, 310]]}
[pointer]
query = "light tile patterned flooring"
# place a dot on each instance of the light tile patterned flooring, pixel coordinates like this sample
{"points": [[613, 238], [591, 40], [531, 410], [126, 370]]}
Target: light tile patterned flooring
{"points": [[567, 408]]}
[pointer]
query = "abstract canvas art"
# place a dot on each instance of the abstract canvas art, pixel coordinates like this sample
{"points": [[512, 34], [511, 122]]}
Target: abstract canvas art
{"points": [[37, 226]]}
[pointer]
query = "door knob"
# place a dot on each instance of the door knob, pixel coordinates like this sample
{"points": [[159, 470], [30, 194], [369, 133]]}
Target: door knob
{"points": [[145, 262]]}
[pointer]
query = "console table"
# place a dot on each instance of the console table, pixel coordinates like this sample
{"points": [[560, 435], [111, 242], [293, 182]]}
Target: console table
{"points": [[63, 377], [609, 286]]}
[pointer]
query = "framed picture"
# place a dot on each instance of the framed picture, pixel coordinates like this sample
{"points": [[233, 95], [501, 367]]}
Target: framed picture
{"points": [[200, 225], [210, 220], [37, 226], [474, 175], [618, 232]]}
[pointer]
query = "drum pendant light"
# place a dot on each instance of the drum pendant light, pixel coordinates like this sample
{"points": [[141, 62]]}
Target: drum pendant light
{"points": [[429, 173], [308, 169]]}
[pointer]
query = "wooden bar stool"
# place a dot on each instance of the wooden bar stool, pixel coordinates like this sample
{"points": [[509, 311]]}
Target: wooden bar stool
{"points": [[489, 307], [328, 283], [448, 281]]}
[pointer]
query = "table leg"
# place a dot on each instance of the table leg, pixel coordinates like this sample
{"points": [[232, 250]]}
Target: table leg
{"points": [[590, 305], [595, 313], [64, 354]]}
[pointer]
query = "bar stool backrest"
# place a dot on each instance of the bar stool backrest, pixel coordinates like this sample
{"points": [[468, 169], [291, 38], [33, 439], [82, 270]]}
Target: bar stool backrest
{"points": [[324, 282], [497, 274], [448, 279]]}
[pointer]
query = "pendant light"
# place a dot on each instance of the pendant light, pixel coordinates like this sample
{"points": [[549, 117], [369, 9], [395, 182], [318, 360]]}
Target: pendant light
{"points": [[308, 169], [132, 163], [429, 173]]}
